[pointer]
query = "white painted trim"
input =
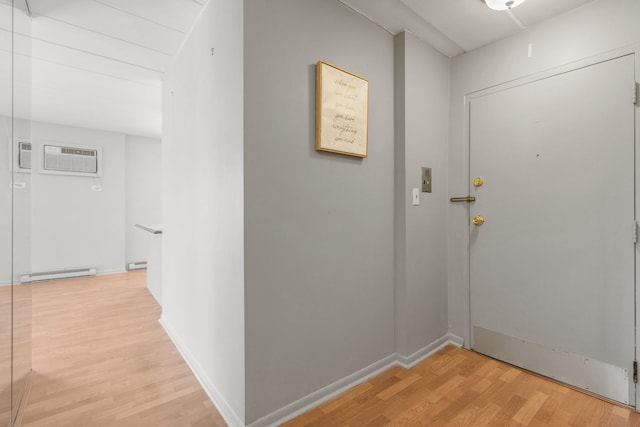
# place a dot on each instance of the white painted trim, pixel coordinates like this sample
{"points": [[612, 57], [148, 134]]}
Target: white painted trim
{"points": [[636, 398], [318, 397], [229, 415], [455, 340], [430, 34], [554, 71], [108, 272], [187, 36], [428, 350], [630, 49]]}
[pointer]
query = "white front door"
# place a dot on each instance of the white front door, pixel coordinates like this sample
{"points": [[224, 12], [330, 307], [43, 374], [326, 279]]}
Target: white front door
{"points": [[552, 267]]}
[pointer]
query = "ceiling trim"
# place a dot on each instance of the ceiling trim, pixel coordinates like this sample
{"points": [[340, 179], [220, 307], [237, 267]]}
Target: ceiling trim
{"points": [[433, 37], [187, 36], [139, 17], [103, 34], [98, 73], [364, 15], [93, 53]]}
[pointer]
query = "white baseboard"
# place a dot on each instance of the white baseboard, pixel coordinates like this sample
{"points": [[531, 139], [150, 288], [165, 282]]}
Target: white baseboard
{"points": [[316, 398], [456, 340], [428, 350], [107, 272], [229, 415]]}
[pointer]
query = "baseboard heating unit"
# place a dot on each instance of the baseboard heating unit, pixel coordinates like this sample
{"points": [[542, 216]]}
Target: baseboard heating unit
{"points": [[137, 265], [58, 274]]}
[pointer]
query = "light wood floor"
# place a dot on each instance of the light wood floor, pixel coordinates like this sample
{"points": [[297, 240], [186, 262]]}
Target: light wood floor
{"points": [[457, 387], [101, 359]]}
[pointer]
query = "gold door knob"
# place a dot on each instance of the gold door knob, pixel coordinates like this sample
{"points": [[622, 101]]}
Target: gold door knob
{"points": [[479, 220], [478, 182]]}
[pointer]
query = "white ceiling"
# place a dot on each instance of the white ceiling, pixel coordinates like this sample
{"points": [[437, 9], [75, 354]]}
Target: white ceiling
{"points": [[457, 26], [99, 63]]}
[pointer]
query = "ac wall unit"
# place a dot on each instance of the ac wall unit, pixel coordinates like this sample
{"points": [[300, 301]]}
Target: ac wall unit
{"points": [[24, 155], [71, 160]]}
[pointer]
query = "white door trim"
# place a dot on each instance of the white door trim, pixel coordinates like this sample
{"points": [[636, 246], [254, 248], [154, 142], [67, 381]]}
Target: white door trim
{"points": [[568, 67]]}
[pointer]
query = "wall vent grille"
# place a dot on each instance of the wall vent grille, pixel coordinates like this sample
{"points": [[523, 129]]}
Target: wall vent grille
{"points": [[70, 159], [24, 155]]}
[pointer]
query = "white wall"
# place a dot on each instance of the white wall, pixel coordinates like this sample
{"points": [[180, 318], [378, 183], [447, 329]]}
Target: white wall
{"points": [[203, 202], [422, 125], [73, 226], [143, 203], [593, 29]]}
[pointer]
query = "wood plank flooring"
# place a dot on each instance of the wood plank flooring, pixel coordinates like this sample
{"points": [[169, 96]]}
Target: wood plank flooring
{"points": [[457, 387], [101, 359]]}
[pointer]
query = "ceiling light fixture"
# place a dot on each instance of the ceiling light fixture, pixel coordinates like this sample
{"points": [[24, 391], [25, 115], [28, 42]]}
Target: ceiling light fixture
{"points": [[502, 4]]}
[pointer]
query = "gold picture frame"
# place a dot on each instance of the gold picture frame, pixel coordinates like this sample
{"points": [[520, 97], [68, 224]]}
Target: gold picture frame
{"points": [[342, 109]]}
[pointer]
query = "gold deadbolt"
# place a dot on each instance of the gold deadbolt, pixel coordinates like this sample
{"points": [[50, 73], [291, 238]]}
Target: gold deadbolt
{"points": [[478, 182], [478, 220]]}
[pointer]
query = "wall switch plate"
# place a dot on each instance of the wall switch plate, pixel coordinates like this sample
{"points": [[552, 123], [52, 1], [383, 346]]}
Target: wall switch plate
{"points": [[416, 197], [96, 187], [426, 180]]}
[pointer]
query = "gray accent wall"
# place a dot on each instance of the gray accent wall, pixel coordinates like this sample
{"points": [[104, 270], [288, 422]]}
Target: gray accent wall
{"points": [[319, 285], [293, 269], [422, 100]]}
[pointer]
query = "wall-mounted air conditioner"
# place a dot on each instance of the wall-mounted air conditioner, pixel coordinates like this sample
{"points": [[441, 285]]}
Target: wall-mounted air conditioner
{"points": [[71, 160], [24, 155]]}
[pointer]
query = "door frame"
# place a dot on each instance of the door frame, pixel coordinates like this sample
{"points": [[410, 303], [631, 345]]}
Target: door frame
{"points": [[568, 67]]}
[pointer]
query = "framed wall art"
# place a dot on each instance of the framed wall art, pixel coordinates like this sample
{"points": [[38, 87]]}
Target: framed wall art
{"points": [[342, 108]]}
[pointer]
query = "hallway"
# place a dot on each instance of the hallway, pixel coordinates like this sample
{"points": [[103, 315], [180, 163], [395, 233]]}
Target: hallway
{"points": [[100, 358]]}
